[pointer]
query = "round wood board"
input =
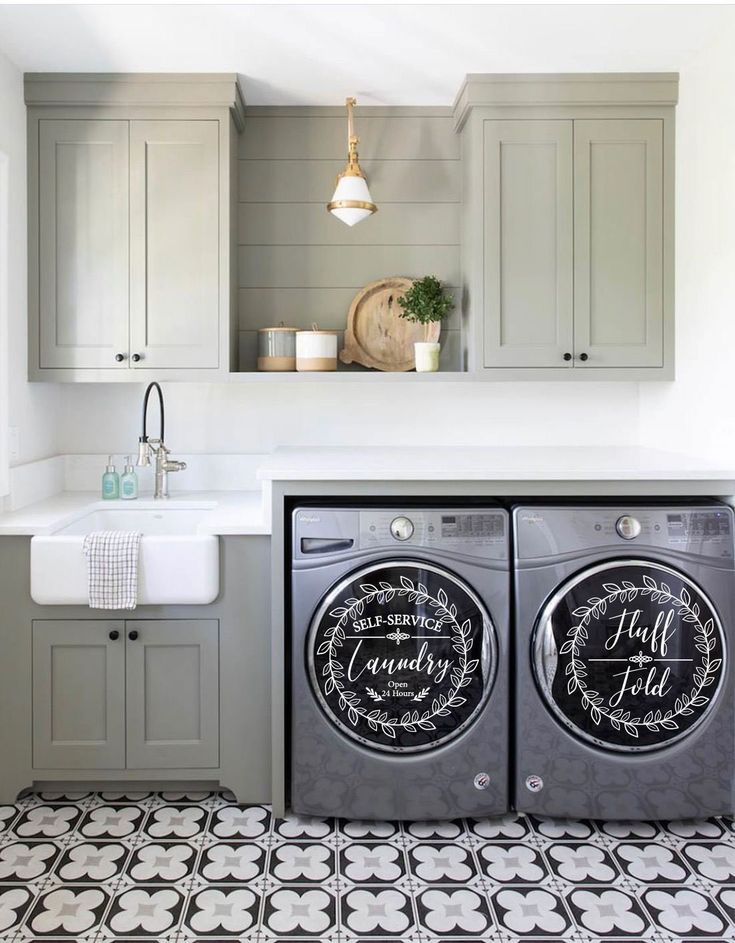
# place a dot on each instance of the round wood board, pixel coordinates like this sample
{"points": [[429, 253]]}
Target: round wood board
{"points": [[376, 335]]}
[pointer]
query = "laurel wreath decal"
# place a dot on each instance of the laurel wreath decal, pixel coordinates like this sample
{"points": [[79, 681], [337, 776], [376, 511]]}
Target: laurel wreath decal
{"points": [[411, 720], [704, 639]]}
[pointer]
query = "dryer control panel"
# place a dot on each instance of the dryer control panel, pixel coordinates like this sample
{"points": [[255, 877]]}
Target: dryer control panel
{"points": [[554, 531]]}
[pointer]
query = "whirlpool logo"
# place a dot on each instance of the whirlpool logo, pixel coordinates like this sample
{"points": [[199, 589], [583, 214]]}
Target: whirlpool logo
{"points": [[531, 519], [309, 519]]}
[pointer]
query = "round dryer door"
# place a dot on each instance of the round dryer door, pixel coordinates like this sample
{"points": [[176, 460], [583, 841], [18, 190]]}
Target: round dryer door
{"points": [[402, 656], [630, 655]]}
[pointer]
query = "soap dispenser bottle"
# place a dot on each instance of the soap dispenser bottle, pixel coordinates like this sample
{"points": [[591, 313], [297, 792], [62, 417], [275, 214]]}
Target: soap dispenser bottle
{"points": [[110, 482], [128, 482]]}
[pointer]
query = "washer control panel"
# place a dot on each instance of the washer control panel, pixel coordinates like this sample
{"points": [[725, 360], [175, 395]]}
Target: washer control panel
{"points": [[476, 532]]}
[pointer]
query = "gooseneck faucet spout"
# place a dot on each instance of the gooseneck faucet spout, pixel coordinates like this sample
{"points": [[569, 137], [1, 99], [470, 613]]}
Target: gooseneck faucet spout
{"points": [[147, 446]]}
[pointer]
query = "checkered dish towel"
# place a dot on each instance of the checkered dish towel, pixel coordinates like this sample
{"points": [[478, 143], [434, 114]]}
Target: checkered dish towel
{"points": [[112, 564]]}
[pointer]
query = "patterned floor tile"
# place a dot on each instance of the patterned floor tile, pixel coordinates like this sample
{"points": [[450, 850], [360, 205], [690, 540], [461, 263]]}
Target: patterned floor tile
{"points": [[111, 821], [176, 821], [608, 912], [145, 911], [452, 912], [161, 862], [14, 901], [530, 912], [651, 863], [24, 861], [68, 911], [512, 863], [186, 866], [300, 912], [244, 822], [232, 862], [91, 862], [47, 821], [372, 862]]}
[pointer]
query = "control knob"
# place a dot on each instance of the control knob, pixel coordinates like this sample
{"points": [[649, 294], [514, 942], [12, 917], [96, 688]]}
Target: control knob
{"points": [[401, 528], [628, 527]]}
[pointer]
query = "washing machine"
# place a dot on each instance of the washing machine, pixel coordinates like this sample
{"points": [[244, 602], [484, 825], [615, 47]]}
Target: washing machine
{"points": [[399, 662], [624, 677]]}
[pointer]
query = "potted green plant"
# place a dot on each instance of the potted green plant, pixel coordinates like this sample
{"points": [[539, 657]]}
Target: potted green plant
{"points": [[426, 302]]}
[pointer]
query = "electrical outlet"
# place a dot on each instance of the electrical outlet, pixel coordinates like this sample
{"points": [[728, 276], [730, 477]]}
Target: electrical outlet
{"points": [[13, 443]]}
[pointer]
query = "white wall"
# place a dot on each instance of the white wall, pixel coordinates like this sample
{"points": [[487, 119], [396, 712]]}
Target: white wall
{"points": [[31, 408], [697, 411], [258, 417]]}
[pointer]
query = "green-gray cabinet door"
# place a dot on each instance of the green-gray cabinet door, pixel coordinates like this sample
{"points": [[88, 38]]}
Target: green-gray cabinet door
{"points": [[528, 243], [172, 693], [618, 243], [82, 243], [78, 694], [174, 244]]}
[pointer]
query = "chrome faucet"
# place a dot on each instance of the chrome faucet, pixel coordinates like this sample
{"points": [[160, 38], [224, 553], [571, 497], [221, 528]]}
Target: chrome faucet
{"points": [[147, 446]]}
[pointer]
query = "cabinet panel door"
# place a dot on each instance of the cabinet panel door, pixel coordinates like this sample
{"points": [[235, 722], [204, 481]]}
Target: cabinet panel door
{"points": [[78, 695], [173, 694], [618, 242], [174, 237], [83, 243], [528, 243]]}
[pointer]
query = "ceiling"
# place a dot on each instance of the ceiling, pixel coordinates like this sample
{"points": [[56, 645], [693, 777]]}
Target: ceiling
{"points": [[414, 54]]}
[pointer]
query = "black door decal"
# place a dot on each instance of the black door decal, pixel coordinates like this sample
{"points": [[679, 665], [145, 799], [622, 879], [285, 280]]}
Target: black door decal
{"points": [[630, 654], [401, 656]]}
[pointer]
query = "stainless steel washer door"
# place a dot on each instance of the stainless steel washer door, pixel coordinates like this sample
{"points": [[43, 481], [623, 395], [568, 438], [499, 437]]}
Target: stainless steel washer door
{"points": [[630, 655], [402, 656]]}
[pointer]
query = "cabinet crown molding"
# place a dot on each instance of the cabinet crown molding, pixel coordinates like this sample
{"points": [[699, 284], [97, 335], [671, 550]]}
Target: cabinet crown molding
{"points": [[125, 89], [534, 90]]}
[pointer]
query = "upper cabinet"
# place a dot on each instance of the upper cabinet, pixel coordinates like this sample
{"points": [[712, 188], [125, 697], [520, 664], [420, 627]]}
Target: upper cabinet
{"points": [[132, 265], [568, 225]]}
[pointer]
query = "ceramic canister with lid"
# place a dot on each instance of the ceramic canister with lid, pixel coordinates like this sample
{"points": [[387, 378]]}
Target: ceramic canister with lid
{"points": [[316, 350], [277, 348]]}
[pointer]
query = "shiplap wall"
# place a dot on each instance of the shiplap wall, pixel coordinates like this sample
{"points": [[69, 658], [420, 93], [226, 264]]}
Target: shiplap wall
{"points": [[297, 263]]}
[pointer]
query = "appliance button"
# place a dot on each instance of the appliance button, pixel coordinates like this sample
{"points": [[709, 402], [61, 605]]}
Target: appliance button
{"points": [[628, 527], [401, 528]]}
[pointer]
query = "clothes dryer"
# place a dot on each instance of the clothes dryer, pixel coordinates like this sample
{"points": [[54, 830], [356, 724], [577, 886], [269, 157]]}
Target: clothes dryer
{"points": [[624, 679]]}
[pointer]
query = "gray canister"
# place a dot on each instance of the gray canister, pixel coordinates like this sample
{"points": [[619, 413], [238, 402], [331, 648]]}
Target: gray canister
{"points": [[277, 348]]}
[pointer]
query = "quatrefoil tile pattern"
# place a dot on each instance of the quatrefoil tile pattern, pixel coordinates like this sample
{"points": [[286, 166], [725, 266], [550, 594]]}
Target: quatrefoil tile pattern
{"points": [[182, 867]]}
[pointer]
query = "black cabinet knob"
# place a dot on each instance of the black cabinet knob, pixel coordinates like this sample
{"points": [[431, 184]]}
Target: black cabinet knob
{"points": [[133, 634], [136, 358], [119, 357], [567, 356], [583, 357], [114, 635]]}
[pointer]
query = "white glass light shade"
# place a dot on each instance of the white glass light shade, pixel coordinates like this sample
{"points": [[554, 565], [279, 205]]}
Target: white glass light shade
{"points": [[351, 201]]}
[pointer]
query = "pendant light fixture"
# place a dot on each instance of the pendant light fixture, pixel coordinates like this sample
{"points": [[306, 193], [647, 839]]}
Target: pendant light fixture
{"points": [[351, 201]]}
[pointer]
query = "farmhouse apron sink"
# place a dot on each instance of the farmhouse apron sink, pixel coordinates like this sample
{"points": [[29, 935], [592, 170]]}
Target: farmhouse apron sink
{"points": [[177, 565]]}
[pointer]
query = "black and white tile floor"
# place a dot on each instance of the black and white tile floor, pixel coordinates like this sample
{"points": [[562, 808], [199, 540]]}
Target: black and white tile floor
{"points": [[181, 867]]}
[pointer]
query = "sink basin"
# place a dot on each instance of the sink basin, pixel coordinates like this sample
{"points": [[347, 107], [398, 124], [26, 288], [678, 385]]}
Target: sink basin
{"points": [[176, 564]]}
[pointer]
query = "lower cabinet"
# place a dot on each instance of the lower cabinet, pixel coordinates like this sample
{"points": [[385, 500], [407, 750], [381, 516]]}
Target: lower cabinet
{"points": [[127, 694]]}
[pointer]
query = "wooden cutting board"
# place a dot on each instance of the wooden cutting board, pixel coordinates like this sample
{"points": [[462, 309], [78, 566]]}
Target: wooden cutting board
{"points": [[376, 335]]}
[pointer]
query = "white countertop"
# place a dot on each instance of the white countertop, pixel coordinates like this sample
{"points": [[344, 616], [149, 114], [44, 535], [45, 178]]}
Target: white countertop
{"points": [[526, 463], [249, 512], [230, 512]]}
